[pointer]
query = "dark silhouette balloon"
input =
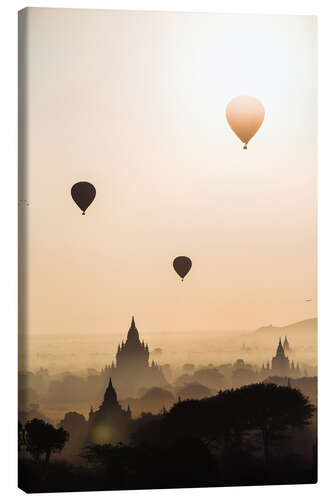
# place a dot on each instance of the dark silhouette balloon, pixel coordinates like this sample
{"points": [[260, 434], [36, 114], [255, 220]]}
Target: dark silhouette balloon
{"points": [[182, 265], [83, 193]]}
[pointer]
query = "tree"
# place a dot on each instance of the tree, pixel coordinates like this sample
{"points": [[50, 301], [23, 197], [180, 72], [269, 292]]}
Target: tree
{"points": [[224, 420], [42, 438], [120, 463], [77, 426], [273, 409], [155, 399], [184, 463], [210, 377], [194, 390]]}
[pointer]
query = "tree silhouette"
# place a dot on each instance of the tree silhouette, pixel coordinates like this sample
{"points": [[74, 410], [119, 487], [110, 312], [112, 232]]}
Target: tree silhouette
{"points": [[218, 420], [273, 409], [186, 462], [223, 420], [42, 438], [78, 428], [75, 424]]}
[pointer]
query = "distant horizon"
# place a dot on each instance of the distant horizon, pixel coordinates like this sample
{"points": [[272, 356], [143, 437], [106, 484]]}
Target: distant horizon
{"points": [[76, 352], [237, 330]]}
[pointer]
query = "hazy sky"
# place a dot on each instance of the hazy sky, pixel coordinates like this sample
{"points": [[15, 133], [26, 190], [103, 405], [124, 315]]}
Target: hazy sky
{"points": [[135, 104]]}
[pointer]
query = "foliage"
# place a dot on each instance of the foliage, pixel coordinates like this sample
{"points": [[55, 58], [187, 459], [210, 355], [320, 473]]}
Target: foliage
{"points": [[42, 438], [228, 416]]}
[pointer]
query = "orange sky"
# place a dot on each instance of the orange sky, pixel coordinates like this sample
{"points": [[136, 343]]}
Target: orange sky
{"points": [[135, 103]]}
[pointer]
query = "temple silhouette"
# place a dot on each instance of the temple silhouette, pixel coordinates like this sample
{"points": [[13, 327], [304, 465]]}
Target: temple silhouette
{"points": [[280, 364], [110, 423], [132, 371], [286, 346]]}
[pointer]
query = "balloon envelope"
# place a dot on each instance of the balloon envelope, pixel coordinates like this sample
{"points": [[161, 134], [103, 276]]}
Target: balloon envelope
{"points": [[83, 193], [182, 265], [245, 115]]}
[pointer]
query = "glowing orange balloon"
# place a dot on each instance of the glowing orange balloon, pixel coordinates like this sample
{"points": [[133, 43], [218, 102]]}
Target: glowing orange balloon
{"points": [[245, 116]]}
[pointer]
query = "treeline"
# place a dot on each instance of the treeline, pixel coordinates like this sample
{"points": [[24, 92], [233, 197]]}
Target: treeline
{"points": [[227, 419], [234, 438]]}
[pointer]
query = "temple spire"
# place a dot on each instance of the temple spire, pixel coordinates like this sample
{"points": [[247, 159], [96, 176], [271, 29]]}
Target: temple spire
{"points": [[280, 350], [110, 389], [133, 334], [110, 396], [286, 345]]}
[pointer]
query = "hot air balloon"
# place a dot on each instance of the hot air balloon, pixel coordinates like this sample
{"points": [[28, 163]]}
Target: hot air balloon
{"points": [[83, 193], [245, 115], [182, 265]]}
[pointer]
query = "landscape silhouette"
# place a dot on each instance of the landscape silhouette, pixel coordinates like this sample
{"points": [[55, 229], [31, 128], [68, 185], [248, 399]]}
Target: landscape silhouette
{"points": [[232, 424]]}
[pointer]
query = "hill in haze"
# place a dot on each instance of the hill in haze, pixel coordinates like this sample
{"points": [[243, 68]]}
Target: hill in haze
{"points": [[307, 327], [302, 337]]}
